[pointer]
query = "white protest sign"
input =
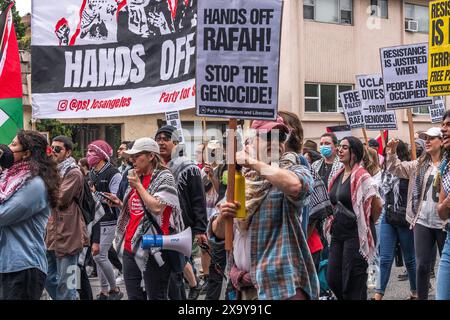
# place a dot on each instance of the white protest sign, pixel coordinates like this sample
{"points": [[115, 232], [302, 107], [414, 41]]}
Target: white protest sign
{"points": [[352, 108], [238, 58], [437, 110], [173, 119], [405, 73], [371, 93]]}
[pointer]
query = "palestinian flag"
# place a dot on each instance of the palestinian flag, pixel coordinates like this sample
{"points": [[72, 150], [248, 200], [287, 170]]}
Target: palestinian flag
{"points": [[11, 111]]}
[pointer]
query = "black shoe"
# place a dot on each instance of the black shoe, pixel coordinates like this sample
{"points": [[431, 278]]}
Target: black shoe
{"points": [[194, 292], [115, 295], [403, 276], [102, 296]]}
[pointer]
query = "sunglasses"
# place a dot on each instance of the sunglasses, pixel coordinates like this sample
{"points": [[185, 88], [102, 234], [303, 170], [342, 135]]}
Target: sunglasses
{"points": [[57, 149]]}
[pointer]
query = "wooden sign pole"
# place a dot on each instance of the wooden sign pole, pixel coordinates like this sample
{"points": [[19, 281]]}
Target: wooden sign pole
{"points": [[411, 135], [383, 142], [231, 159], [365, 136]]}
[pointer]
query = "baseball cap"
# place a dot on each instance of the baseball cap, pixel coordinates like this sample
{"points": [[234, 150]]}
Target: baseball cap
{"points": [[143, 145], [267, 126], [432, 132]]}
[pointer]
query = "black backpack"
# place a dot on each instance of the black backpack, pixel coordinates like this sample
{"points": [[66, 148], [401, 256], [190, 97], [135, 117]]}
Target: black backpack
{"points": [[86, 203]]}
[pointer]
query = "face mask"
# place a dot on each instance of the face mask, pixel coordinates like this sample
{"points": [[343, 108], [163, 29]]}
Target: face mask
{"points": [[6, 157], [92, 160], [326, 151]]}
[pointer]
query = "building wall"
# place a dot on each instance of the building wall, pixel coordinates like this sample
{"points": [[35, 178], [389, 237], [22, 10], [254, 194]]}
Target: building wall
{"points": [[310, 52]]}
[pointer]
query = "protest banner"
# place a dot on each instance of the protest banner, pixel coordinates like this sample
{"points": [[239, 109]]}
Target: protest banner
{"points": [[439, 48], [437, 110], [371, 94], [237, 69], [238, 45], [405, 73], [112, 58], [173, 119]]}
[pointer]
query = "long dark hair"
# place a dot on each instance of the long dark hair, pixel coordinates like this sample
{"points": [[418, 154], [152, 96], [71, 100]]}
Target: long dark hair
{"points": [[356, 148], [295, 140], [403, 151], [41, 164]]}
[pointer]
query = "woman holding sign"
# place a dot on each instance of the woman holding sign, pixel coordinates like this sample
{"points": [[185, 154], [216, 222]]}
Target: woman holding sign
{"points": [[423, 198]]}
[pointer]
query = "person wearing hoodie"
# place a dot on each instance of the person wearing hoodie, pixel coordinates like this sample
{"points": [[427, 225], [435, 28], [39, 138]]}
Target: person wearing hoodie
{"points": [[192, 201]]}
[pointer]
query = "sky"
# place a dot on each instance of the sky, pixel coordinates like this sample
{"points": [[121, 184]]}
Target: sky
{"points": [[23, 6]]}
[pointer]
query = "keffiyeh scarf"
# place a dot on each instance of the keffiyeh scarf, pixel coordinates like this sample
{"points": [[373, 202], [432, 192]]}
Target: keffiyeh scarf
{"points": [[66, 165], [13, 179]]}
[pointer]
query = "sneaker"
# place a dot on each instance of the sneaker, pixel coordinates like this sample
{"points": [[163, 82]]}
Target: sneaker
{"points": [[119, 279], [194, 292], [102, 296], [403, 276], [115, 295]]}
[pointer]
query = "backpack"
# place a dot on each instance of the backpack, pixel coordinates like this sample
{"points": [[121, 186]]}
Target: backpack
{"points": [[86, 202]]}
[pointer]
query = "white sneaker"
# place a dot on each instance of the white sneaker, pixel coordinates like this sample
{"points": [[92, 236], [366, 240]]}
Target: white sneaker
{"points": [[119, 279]]}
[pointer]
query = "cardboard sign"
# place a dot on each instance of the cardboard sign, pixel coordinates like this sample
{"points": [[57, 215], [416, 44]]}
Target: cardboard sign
{"points": [[173, 119], [405, 72], [352, 109], [371, 93], [238, 48], [437, 110], [439, 49]]}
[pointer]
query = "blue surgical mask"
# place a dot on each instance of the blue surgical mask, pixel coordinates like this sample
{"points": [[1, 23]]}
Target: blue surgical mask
{"points": [[326, 151]]}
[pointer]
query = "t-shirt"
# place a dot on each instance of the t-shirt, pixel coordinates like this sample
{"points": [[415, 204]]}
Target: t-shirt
{"points": [[324, 172], [136, 210], [428, 214]]}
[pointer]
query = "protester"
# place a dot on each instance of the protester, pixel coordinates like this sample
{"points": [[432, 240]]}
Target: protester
{"points": [[192, 201], [310, 145], [29, 189], [104, 178], [269, 245], [420, 147], [373, 143], [357, 206], [329, 165], [151, 200], [123, 186], [84, 167], [443, 275], [319, 206], [123, 163], [422, 206], [395, 224], [66, 229]]}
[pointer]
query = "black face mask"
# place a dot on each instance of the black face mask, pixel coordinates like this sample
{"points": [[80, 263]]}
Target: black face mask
{"points": [[6, 157]]}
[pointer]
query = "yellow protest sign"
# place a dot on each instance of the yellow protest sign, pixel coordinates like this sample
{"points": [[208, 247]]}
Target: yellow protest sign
{"points": [[439, 48]]}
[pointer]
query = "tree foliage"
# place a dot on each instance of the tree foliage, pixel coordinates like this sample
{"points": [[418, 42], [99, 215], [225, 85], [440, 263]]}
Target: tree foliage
{"points": [[18, 25]]}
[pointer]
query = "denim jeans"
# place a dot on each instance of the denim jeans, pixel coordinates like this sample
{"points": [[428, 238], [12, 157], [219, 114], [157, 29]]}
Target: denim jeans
{"points": [[61, 283], [443, 276], [389, 235], [27, 284]]}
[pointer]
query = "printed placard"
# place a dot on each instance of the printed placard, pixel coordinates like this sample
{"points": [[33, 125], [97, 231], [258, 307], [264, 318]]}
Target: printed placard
{"points": [[437, 110], [173, 119], [405, 73], [238, 48], [352, 109], [439, 48], [371, 93]]}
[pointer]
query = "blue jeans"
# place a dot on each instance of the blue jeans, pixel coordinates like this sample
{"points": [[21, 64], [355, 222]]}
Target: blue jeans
{"points": [[443, 276], [389, 235], [61, 283]]}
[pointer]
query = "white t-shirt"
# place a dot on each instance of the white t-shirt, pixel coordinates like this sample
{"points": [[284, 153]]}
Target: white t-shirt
{"points": [[241, 249], [428, 215]]}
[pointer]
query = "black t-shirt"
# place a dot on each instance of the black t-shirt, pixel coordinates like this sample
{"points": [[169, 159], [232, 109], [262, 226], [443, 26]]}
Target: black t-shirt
{"points": [[343, 227], [324, 172]]}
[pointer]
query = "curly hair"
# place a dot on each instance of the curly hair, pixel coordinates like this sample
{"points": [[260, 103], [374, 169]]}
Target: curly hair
{"points": [[41, 164]]}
